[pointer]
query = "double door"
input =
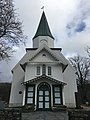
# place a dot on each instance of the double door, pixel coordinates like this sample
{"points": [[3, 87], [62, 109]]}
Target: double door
{"points": [[44, 102]]}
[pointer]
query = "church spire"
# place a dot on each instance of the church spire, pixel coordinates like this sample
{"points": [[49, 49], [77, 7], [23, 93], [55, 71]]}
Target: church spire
{"points": [[43, 28]]}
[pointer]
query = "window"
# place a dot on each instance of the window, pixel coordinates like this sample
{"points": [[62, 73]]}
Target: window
{"points": [[49, 70], [57, 95], [30, 94], [44, 55], [43, 69], [38, 70]]}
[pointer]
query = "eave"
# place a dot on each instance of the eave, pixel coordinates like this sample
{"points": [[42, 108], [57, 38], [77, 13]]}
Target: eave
{"points": [[45, 77]]}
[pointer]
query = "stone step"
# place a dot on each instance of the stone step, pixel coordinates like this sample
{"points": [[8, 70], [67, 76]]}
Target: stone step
{"points": [[45, 115]]}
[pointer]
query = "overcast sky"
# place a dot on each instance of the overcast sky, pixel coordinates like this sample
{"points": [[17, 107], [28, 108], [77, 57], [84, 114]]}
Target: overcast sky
{"points": [[69, 21]]}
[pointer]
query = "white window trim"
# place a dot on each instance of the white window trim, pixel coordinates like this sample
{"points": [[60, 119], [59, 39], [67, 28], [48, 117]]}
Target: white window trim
{"points": [[49, 71], [37, 70]]}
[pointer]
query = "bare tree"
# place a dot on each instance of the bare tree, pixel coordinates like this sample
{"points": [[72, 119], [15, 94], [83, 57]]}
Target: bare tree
{"points": [[82, 67], [11, 33], [88, 51]]}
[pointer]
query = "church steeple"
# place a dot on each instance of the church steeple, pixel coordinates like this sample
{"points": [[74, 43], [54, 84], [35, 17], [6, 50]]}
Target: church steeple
{"points": [[43, 34], [43, 28]]}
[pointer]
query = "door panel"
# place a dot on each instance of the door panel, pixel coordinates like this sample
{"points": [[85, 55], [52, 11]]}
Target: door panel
{"points": [[46, 104], [40, 104], [40, 98], [40, 92], [46, 98], [46, 92]]}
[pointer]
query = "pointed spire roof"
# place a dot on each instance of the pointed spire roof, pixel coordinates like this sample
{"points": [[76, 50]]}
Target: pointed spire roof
{"points": [[43, 28]]}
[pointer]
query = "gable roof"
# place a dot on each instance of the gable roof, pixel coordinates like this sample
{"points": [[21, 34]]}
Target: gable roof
{"points": [[52, 53], [43, 28], [30, 56], [59, 58], [44, 76]]}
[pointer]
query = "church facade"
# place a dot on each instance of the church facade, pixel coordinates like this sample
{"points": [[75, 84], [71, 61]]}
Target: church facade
{"points": [[43, 78]]}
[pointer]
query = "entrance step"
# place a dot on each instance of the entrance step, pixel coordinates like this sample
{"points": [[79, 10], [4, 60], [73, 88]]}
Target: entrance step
{"points": [[45, 115]]}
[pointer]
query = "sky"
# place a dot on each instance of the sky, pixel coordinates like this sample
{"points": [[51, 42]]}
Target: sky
{"points": [[69, 21]]}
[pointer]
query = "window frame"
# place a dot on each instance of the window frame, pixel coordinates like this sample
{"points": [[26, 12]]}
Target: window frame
{"points": [[38, 70], [49, 70], [60, 87], [43, 69], [27, 86]]}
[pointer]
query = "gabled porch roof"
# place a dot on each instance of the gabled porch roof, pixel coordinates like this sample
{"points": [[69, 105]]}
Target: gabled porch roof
{"points": [[44, 76]]}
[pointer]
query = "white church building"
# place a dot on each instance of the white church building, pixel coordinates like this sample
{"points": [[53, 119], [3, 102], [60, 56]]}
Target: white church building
{"points": [[43, 78]]}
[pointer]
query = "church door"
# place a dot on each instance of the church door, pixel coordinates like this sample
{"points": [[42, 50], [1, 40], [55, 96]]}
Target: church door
{"points": [[44, 97]]}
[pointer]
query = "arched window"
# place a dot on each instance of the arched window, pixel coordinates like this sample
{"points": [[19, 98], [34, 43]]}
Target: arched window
{"points": [[38, 70], [49, 70], [43, 69]]}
